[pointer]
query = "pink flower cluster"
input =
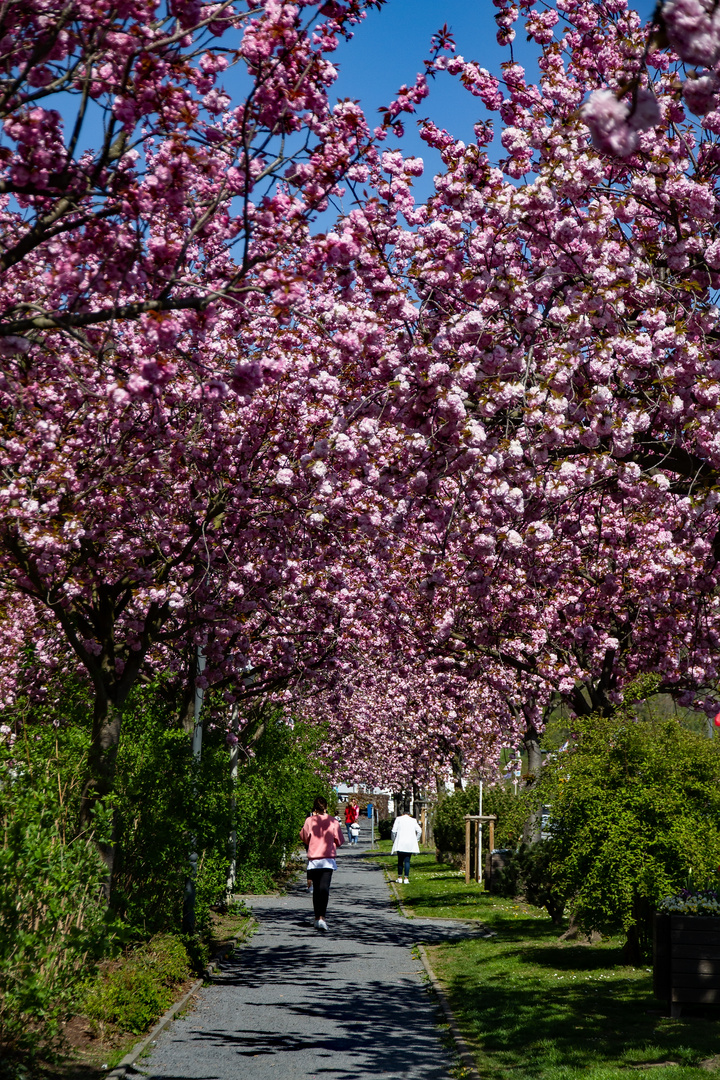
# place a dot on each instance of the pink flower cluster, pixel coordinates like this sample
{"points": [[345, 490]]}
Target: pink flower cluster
{"points": [[615, 125]]}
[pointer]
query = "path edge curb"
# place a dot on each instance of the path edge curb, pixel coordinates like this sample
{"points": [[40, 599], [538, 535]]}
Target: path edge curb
{"points": [[462, 1047], [120, 1071], [396, 894]]}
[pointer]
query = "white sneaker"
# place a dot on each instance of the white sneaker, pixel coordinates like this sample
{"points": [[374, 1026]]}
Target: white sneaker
{"points": [[315, 924], [399, 880], [321, 924], [407, 881]]}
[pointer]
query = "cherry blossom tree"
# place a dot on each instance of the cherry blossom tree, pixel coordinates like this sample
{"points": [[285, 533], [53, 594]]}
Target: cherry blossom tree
{"points": [[547, 331], [540, 384], [151, 527], [156, 241], [448, 462], [399, 724], [150, 194]]}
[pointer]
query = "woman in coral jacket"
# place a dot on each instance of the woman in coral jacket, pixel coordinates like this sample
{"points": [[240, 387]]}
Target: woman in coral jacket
{"points": [[322, 836]]}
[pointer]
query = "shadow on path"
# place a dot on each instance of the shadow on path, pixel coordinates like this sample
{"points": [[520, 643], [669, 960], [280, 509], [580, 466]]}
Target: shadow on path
{"points": [[349, 1005]]}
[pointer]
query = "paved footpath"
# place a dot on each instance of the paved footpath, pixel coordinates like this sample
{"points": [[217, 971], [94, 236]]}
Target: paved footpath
{"points": [[293, 1003]]}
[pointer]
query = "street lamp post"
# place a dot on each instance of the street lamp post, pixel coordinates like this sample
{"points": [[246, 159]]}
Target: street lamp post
{"points": [[189, 898]]}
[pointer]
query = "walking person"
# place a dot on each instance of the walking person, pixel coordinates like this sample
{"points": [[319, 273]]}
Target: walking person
{"points": [[405, 833], [352, 813], [322, 836]]}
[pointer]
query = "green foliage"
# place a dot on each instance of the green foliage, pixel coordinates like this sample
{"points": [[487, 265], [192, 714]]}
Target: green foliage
{"points": [[385, 828], [133, 992], [276, 790], [641, 688], [238, 908], [165, 799], [510, 809], [54, 921], [52, 911], [530, 873], [635, 807]]}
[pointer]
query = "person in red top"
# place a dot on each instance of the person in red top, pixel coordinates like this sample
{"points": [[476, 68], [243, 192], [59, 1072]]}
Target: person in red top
{"points": [[322, 836], [352, 813]]}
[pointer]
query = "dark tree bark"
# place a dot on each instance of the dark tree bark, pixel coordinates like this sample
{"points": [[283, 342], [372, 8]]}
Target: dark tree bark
{"points": [[531, 743]]}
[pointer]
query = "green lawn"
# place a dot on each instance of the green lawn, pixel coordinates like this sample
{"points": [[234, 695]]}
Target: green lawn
{"points": [[534, 1007]]}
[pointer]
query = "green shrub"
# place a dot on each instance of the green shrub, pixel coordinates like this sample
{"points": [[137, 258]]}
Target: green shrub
{"points": [[530, 872], [53, 919], [164, 799], [134, 991], [635, 806], [254, 879], [449, 826], [385, 828], [275, 792]]}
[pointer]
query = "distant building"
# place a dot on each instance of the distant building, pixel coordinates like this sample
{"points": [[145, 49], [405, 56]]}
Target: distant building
{"points": [[381, 798]]}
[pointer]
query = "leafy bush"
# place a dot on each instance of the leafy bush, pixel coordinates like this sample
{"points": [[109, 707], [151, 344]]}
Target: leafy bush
{"points": [[385, 828], [52, 912], [635, 805], [254, 879], [530, 872], [164, 799], [54, 920], [500, 800], [275, 792], [134, 991]]}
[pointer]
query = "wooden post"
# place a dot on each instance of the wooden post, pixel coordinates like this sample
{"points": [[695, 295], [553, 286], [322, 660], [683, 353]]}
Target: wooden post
{"points": [[467, 851], [478, 834], [492, 836], [423, 838]]}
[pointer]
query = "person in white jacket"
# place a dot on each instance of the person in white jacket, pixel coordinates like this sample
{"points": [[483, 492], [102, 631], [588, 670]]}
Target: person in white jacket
{"points": [[405, 833]]}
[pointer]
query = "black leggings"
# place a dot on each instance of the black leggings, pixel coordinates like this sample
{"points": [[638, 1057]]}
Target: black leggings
{"points": [[321, 890]]}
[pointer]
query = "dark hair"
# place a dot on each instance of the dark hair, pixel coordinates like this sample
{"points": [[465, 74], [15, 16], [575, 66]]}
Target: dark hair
{"points": [[320, 805]]}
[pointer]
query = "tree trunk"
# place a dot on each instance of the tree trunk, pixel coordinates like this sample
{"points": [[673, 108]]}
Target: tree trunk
{"points": [[102, 758], [631, 950], [531, 742]]}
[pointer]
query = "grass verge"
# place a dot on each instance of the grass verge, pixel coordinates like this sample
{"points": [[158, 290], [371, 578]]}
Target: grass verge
{"points": [[531, 1006]]}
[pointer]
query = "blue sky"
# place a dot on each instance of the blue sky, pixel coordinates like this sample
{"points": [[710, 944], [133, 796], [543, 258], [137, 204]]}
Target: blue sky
{"points": [[389, 48]]}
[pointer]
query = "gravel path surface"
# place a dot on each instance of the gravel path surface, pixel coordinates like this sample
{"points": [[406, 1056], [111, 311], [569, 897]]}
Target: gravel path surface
{"points": [[346, 1005]]}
